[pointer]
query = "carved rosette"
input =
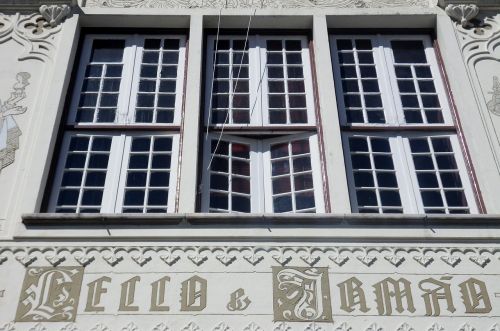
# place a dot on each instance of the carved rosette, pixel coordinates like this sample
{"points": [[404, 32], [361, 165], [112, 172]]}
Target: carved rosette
{"points": [[462, 14], [35, 31]]}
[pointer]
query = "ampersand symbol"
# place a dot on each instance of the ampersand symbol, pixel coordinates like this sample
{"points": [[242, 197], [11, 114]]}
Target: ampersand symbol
{"points": [[238, 300]]}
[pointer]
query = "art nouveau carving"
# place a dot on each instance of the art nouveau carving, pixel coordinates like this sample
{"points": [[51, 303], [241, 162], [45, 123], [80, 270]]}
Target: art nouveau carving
{"points": [[463, 13], [35, 31], [9, 130], [494, 103], [257, 3]]}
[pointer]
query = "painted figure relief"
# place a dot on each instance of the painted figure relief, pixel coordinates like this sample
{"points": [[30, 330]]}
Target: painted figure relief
{"points": [[9, 131], [494, 103]]}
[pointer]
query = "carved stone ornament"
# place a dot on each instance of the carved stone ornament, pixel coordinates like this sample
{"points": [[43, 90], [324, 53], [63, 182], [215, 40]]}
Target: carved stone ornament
{"points": [[9, 131], [463, 14], [257, 3], [35, 32]]}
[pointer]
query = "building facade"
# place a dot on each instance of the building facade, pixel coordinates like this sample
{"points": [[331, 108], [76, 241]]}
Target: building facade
{"points": [[291, 165]]}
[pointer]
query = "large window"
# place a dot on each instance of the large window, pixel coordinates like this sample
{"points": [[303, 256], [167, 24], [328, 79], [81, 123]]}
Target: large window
{"points": [[261, 149], [402, 151], [120, 146]]}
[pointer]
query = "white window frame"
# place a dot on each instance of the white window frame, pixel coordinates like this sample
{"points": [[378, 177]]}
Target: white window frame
{"points": [[132, 59], [113, 192], [405, 170], [384, 63], [258, 88], [260, 167]]}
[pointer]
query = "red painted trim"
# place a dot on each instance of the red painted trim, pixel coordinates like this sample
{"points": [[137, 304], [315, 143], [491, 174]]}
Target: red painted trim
{"points": [[461, 137], [326, 188], [181, 132]]}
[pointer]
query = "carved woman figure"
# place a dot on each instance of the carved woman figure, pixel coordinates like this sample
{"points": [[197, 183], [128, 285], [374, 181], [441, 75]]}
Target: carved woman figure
{"points": [[494, 103], [9, 131]]}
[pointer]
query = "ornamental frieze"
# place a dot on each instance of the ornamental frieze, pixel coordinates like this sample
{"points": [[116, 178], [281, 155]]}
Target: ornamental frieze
{"points": [[258, 3]]}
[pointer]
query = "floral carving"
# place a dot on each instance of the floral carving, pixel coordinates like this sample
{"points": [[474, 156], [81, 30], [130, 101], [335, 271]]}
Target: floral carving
{"points": [[8, 327], [191, 327], [462, 13], [405, 327], [451, 260], [161, 327], [343, 327], [130, 327], [495, 327], [70, 327], [467, 327], [436, 327], [313, 327], [367, 258], [494, 104], [374, 327], [54, 14], [38, 327], [282, 327], [222, 327], [252, 327], [100, 327]]}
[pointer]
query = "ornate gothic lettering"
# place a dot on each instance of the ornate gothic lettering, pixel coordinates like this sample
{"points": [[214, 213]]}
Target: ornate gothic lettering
{"points": [[301, 294], [95, 292], [127, 295], [194, 294], [475, 296], [390, 288], [352, 295], [436, 291], [50, 294], [158, 294]]}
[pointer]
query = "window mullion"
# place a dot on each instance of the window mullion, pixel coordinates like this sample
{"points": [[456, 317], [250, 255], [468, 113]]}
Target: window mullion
{"points": [[391, 95], [131, 70]]}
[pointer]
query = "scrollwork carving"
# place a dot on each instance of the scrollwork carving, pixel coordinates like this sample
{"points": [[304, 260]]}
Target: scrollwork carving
{"points": [[35, 32]]}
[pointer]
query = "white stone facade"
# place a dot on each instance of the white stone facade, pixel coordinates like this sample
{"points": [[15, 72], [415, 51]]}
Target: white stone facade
{"points": [[190, 270]]}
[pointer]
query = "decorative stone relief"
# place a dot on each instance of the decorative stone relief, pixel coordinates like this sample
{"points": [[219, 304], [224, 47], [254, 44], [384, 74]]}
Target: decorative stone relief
{"points": [[8, 327], [100, 327], [343, 327], [9, 131], [463, 13], [161, 327], [35, 32], [258, 3], [436, 327], [113, 255]]}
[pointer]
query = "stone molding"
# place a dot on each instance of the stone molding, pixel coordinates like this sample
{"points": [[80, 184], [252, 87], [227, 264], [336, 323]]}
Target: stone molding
{"points": [[463, 13], [257, 3], [337, 256], [338, 325], [34, 31]]}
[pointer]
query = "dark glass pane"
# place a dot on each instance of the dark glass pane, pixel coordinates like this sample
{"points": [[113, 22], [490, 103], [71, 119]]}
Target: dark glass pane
{"points": [[68, 197], [93, 70], [423, 72], [241, 101], [408, 51], [426, 86], [240, 150], [295, 72], [168, 72], [409, 101], [430, 101], [79, 144], [300, 147], [274, 45], [218, 201], [434, 116], [161, 161], [376, 117], [450, 179], [85, 115], [347, 58], [293, 45], [280, 167], [166, 101], [413, 116], [274, 58], [114, 71], [277, 116], [441, 145], [368, 71], [297, 101], [406, 86], [383, 162], [109, 100], [152, 44], [423, 162], [403, 72], [170, 85], [159, 178], [348, 72], [101, 144], [445, 162], [171, 44], [304, 200], [145, 100], [150, 57], [373, 101], [107, 50], [390, 198], [72, 178], [149, 71], [352, 100], [370, 85], [147, 86], [241, 168], [221, 147], [365, 58], [350, 86], [134, 198], [355, 116], [361, 162], [240, 45], [111, 85], [75, 161], [219, 164], [343, 44], [366, 198], [419, 146], [456, 198], [302, 164], [303, 182], [241, 185], [163, 144], [296, 86], [432, 198], [170, 57], [95, 178], [144, 116], [282, 204], [157, 197], [281, 185], [294, 58], [138, 161], [427, 180], [241, 204], [140, 144], [165, 116], [298, 116], [276, 86], [91, 85], [98, 161], [363, 179], [279, 150], [91, 197], [363, 44], [380, 145], [88, 100], [136, 179], [358, 144], [387, 179]]}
